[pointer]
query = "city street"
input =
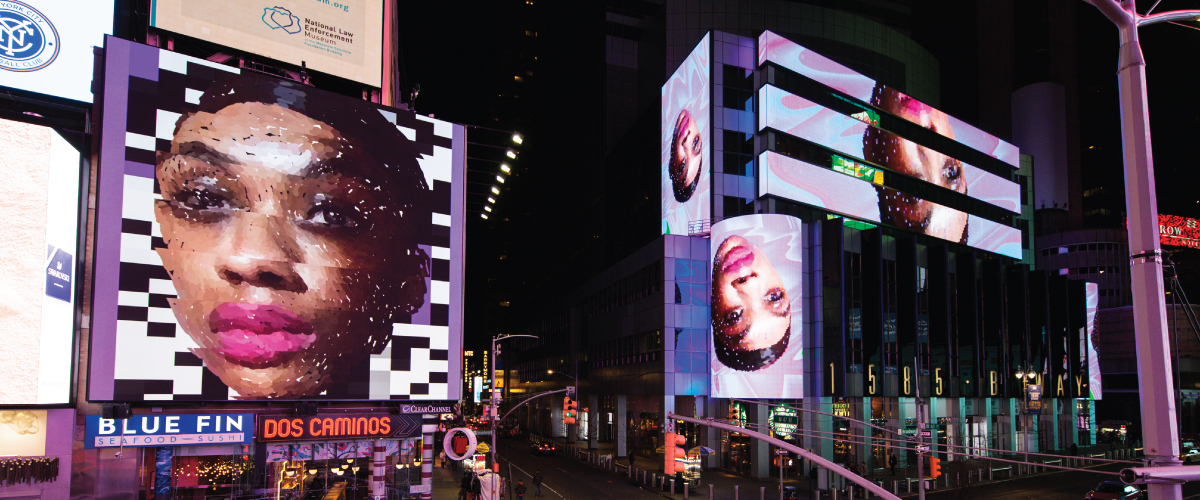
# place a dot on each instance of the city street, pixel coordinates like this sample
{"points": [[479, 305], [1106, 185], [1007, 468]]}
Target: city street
{"points": [[569, 478]]}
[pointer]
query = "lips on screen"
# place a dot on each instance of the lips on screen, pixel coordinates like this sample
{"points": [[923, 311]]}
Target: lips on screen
{"points": [[290, 242], [755, 309]]}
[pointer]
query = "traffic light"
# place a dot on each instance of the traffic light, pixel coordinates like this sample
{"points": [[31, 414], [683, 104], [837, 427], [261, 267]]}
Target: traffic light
{"points": [[672, 453], [569, 410], [935, 467]]}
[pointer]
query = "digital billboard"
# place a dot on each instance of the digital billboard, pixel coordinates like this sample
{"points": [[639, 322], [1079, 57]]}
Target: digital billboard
{"points": [[756, 307], [46, 45], [1177, 231], [342, 38], [687, 143], [850, 195], [799, 117], [258, 238], [795, 57], [1095, 387], [40, 250]]}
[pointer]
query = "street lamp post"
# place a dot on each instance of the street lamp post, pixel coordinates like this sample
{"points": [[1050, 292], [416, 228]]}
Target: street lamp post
{"points": [[1159, 433], [495, 417]]}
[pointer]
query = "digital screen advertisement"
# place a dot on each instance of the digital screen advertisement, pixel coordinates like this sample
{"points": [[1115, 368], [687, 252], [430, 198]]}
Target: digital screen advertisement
{"points": [[23, 433], [1177, 231], [687, 143], [839, 192], [342, 38], [37, 303], [46, 45], [757, 263], [317, 254], [799, 117], [1095, 386], [795, 57]]}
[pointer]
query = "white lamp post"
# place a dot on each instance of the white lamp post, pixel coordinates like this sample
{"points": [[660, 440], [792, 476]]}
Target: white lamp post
{"points": [[1159, 430]]}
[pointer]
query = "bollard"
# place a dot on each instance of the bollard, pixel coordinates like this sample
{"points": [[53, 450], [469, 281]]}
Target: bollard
{"points": [[990, 473], [672, 487], [895, 487], [762, 493], [735, 492], [710, 488], [654, 478], [685, 490]]}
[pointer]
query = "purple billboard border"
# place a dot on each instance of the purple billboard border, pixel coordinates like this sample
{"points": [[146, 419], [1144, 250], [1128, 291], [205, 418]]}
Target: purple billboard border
{"points": [[458, 208], [120, 62]]}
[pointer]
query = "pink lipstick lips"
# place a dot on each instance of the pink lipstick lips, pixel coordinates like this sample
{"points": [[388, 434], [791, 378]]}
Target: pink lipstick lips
{"points": [[259, 335], [737, 258]]}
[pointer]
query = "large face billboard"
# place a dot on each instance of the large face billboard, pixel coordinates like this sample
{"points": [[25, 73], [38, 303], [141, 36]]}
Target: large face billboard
{"points": [[795, 57], [40, 251], [756, 305], [258, 238], [342, 38], [46, 45], [849, 193], [687, 143], [799, 117]]}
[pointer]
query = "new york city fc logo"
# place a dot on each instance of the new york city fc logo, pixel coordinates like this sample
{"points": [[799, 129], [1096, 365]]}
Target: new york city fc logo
{"points": [[28, 41]]}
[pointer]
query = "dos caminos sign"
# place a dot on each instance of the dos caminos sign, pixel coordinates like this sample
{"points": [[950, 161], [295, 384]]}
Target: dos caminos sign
{"points": [[168, 430]]}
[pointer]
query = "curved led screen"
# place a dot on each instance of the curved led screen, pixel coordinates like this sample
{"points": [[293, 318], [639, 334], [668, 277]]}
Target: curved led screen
{"points": [[795, 57], [687, 144], [757, 271], [849, 195], [799, 117]]}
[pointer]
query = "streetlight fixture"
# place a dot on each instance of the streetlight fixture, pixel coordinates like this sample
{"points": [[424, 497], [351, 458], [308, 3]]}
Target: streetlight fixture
{"points": [[495, 190], [491, 199], [1155, 371], [500, 178], [518, 138], [488, 208], [505, 168], [483, 216], [511, 154]]}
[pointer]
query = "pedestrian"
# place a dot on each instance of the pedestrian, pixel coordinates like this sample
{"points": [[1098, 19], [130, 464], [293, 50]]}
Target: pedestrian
{"points": [[464, 492], [476, 487], [520, 490], [442, 458], [862, 469], [1074, 450], [812, 478], [537, 483], [892, 462], [631, 455]]}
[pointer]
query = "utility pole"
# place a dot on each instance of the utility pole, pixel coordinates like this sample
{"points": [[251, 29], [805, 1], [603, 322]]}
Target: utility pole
{"points": [[1145, 260], [920, 432]]}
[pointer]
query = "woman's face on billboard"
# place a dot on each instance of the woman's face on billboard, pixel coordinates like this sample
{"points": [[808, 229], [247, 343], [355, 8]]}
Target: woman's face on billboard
{"points": [[687, 155], [285, 246], [930, 166], [751, 308]]}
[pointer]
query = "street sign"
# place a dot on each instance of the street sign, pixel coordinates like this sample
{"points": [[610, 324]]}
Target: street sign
{"points": [[922, 448], [931, 427], [420, 488], [908, 432], [926, 434], [781, 452]]}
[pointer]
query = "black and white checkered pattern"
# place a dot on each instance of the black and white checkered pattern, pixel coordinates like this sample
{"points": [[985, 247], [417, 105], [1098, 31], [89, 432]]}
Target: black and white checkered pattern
{"points": [[154, 358]]}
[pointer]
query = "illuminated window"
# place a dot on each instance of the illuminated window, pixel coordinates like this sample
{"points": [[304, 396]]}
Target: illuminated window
{"points": [[504, 304], [518, 78]]}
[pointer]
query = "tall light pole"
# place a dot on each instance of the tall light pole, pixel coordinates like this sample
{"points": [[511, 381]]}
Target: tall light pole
{"points": [[495, 416], [1161, 440]]}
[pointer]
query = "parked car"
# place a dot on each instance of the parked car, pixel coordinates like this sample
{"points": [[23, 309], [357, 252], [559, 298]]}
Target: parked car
{"points": [[542, 449], [1114, 490], [1191, 456]]}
